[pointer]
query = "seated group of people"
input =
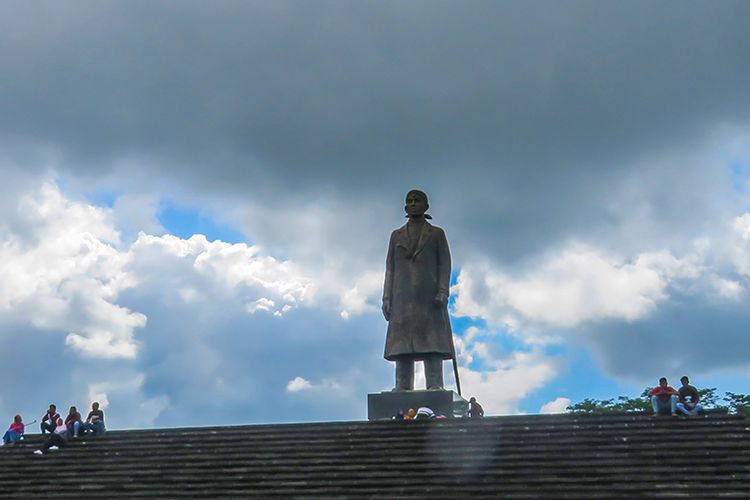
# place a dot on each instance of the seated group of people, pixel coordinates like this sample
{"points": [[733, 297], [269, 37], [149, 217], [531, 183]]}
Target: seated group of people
{"points": [[475, 411], [421, 414], [665, 399], [60, 431]]}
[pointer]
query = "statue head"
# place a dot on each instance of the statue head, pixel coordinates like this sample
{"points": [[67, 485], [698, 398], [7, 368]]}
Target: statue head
{"points": [[416, 203]]}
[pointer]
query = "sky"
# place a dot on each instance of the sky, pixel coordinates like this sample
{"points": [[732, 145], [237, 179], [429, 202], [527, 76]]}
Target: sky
{"points": [[197, 197]]}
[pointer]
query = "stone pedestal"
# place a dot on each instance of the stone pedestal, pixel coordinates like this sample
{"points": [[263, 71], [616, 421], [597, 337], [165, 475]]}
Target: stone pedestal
{"points": [[385, 405]]}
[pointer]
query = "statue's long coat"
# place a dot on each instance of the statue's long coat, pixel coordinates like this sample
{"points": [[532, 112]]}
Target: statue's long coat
{"points": [[418, 326]]}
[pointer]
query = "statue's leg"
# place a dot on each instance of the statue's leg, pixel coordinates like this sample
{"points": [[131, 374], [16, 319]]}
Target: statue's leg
{"points": [[433, 371], [405, 373]]}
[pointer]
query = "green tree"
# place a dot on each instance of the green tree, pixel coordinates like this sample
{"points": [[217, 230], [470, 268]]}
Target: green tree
{"points": [[738, 403], [710, 400], [620, 404]]}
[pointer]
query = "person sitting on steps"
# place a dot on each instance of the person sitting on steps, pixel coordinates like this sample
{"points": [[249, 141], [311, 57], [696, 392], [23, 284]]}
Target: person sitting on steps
{"points": [[663, 398], [95, 421], [14, 434], [57, 439], [689, 399], [49, 419], [73, 421]]}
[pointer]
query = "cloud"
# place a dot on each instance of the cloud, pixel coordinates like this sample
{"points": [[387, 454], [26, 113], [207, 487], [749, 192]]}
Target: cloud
{"points": [[501, 374], [64, 272], [670, 313], [691, 330], [739, 244], [134, 213], [196, 267], [575, 285], [262, 304], [587, 192], [558, 405], [141, 413], [146, 310], [299, 384], [361, 296], [548, 130], [728, 288], [509, 379]]}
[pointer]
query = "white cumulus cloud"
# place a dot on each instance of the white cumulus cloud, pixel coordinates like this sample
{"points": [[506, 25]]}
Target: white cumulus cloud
{"points": [[64, 272], [579, 284], [300, 384], [509, 379], [234, 270], [557, 405], [363, 295]]}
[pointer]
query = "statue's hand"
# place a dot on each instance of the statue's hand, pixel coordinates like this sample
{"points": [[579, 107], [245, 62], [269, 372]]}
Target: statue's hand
{"points": [[387, 310]]}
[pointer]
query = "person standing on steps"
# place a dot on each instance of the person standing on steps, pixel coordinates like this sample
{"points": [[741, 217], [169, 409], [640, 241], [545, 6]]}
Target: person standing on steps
{"points": [[475, 409]]}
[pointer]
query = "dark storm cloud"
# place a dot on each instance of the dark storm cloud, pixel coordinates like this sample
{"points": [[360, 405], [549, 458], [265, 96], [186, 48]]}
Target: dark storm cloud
{"points": [[530, 115], [688, 335]]}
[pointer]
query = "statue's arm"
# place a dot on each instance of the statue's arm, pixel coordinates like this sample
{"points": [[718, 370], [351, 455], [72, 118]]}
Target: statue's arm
{"points": [[443, 271], [388, 285]]}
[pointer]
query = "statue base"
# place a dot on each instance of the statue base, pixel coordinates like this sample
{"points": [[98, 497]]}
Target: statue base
{"points": [[384, 405]]}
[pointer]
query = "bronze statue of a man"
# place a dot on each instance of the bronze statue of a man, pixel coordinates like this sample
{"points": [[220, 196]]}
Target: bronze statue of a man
{"points": [[415, 297]]}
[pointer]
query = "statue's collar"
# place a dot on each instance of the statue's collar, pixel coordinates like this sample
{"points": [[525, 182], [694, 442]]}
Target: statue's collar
{"points": [[403, 239]]}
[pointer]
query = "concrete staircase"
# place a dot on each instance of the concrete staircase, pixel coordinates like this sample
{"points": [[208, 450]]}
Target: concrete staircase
{"points": [[537, 456]]}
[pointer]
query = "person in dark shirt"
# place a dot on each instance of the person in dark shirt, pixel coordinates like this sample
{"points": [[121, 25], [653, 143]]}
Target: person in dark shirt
{"points": [[95, 420], [475, 409], [663, 398], [689, 399], [49, 420]]}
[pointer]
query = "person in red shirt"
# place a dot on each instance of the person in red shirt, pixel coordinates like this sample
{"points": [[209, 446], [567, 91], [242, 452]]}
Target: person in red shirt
{"points": [[663, 398], [73, 421]]}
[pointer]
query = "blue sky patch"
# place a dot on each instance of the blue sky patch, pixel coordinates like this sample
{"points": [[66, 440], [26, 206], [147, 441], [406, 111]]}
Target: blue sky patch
{"points": [[184, 222]]}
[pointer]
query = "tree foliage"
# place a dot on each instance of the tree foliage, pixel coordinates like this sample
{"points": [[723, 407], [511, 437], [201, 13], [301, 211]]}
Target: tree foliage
{"points": [[622, 403], [738, 403]]}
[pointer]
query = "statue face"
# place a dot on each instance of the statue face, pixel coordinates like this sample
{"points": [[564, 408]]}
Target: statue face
{"points": [[415, 205]]}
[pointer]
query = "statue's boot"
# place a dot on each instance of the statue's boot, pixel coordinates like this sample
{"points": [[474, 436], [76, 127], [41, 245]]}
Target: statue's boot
{"points": [[404, 375], [433, 372]]}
